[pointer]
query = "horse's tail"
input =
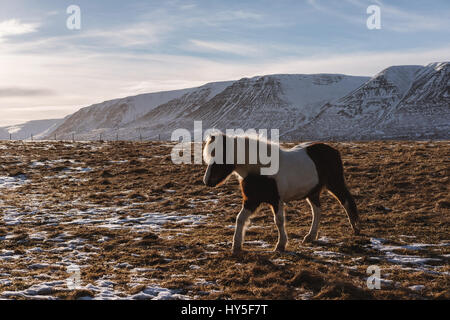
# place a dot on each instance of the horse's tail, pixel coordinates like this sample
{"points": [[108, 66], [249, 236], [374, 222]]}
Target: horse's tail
{"points": [[337, 186]]}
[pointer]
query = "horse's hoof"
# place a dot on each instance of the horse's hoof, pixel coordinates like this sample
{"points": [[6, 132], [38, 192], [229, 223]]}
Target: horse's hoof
{"points": [[237, 252], [280, 249], [309, 239]]}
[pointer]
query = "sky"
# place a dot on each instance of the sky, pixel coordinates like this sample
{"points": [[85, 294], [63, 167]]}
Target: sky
{"points": [[130, 47]]}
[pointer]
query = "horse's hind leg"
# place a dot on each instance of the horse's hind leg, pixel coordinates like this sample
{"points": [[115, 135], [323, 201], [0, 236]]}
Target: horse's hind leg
{"points": [[341, 192], [239, 232], [314, 202], [280, 222]]}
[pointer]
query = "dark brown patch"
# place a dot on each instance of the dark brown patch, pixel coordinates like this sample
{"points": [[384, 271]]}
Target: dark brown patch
{"points": [[218, 174], [328, 163], [258, 189], [331, 175]]}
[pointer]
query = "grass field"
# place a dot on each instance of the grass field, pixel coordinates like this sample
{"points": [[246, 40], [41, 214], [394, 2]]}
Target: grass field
{"points": [[137, 226]]}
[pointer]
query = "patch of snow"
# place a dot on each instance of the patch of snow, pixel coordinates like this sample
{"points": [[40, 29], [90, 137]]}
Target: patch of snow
{"points": [[389, 255], [328, 254], [158, 293], [417, 287], [12, 182]]}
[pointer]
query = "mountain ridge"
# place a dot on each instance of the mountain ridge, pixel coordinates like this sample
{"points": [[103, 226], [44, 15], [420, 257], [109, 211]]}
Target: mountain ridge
{"points": [[405, 102]]}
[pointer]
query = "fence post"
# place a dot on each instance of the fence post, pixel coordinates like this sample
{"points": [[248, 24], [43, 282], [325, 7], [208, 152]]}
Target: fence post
{"points": [[10, 136]]}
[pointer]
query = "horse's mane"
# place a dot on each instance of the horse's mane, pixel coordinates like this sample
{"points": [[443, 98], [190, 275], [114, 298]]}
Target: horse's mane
{"points": [[261, 141]]}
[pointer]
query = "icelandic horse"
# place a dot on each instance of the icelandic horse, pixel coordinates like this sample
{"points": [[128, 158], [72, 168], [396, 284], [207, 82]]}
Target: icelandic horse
{"points": [[304, 171]]}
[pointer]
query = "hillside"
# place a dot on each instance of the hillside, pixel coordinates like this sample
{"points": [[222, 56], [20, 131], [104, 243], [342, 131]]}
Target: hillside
{"points": [[404, 102], [38, 128]]}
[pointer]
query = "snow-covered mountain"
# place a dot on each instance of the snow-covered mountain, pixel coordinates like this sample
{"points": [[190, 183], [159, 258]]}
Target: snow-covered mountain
{"points": [[37, 128], [424, 110], [111, 115], [273, 101], [399, 102]]}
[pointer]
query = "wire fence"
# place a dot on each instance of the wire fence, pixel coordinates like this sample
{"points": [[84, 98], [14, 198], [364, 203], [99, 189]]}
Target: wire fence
{"points": [[102, 136]]}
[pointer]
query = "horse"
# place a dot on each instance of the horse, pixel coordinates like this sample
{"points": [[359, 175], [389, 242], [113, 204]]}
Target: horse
{"points": [[304, 171]]}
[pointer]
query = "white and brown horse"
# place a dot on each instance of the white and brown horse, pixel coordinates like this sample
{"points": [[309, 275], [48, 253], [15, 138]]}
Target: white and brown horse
{"points": [[304, 171]]}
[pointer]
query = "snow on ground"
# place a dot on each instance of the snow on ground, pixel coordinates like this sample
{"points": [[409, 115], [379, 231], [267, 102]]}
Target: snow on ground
{"points": [[47, 237], [77, 251], [103, 289], [152, 220], [418, 262], [72, 251], [12, 182]]}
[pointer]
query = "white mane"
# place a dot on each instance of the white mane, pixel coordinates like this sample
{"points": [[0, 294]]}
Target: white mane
{"points": [[259, 141]]}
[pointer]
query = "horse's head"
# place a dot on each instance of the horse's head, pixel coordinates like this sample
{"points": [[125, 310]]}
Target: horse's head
{"points": [[216, 173]]}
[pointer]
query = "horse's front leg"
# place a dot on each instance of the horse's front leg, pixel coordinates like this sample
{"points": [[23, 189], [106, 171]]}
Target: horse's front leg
{"points": [[239, 232], [280, 222]]}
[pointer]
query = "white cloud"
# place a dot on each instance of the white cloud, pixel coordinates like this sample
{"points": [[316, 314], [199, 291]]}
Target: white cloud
{"points": [[358, 63], [23, 92], [245, 15], [13, 27], [227, 47], [143, 33]]}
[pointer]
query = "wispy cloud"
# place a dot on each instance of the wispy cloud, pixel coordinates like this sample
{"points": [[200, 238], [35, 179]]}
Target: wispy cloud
{"points": [[364, 63], [226, 47], [241, 14], [337, 12], [143, 33], [14, 27], [148, 46], [403, 20], [393, 18], [23, 92]]}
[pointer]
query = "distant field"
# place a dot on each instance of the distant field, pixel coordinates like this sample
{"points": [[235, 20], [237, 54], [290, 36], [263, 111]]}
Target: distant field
{"points": [[137, 226]]}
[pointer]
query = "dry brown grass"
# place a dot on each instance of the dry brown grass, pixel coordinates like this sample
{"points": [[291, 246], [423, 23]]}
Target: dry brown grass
{"points": [[401, 189]]}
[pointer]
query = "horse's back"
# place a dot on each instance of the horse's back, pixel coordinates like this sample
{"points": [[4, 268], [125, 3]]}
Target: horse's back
{"points": [[326, 158]]}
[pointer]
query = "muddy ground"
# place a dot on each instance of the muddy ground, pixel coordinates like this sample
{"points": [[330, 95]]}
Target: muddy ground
{"points": [[111, 220]]}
